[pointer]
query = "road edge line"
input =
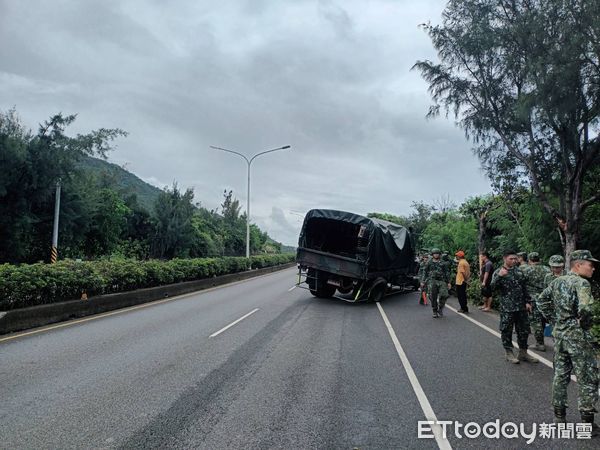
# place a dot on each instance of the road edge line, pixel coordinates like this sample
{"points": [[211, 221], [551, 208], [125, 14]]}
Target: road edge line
{"points": [[442, 442], [543, 360]]}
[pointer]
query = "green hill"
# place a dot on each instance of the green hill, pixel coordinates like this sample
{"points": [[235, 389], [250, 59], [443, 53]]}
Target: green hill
{"points": [[122, 180], [111, 175], [288, 249]]}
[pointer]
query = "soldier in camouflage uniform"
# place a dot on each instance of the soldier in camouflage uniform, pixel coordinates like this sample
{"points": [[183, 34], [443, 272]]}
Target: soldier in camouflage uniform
{"points": [[522, 256], [557, 269], [567, 304], [437, 278], [508, 286], [451, 266], [421, 276], [535, 273]]}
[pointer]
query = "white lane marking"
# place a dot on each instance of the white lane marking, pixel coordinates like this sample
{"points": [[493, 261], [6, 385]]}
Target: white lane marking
{"points": [[132, 308], [292, 288], [412, 377], [233, 323], [495, 333]]}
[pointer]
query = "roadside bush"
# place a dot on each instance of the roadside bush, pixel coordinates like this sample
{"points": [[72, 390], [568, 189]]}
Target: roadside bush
{"points": [[474, 292], [35, 284]]}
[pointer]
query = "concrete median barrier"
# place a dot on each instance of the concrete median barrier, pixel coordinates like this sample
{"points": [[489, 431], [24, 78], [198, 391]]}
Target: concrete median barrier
{"points": [[37, 316]]}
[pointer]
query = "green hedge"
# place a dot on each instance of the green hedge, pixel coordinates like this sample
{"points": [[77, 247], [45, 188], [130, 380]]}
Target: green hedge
{"points": [[35, 284]]}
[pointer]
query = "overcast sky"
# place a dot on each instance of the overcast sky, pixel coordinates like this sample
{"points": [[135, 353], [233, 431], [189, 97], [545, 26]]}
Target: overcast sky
{"points": [[330, 78]]}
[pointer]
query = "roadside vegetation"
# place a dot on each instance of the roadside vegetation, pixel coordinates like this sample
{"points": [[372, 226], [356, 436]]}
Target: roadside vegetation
{"points": [[493, 223], [108, 240], [101, 216], [26, 285]]}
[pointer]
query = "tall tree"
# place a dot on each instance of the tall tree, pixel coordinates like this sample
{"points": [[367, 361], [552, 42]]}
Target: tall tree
{"points": [[31, 166], [233, 226], [522, 77], [230, 207], [108, 223], [173, 212], [479, 208]]}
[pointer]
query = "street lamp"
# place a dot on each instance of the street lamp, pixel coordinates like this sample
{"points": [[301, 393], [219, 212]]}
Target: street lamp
{"points": [[249, 163]]}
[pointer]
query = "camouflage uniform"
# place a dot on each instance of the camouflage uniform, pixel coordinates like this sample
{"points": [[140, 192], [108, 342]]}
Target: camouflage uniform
{"points": [[550, 277], [511, 292], [437, 276], [567, 303], [421, 276], [522, 255], [451, 266], [534, 278], [554, 261]]}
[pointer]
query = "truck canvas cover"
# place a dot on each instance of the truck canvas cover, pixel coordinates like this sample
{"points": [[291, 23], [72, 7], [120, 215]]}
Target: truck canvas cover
{"points": [[379, 245]]}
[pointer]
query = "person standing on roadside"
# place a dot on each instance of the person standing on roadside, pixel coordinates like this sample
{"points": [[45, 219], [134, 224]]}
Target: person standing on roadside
{"points": [[508, 286], [451, 266], [522, 258], [557, 269], [421, 276], [567, 303], [437, 278], [463, 273], [487, 269], [534, 277]]}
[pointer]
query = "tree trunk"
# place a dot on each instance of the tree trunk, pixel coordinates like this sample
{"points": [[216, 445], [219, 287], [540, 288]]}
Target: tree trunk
{"points": [[571, 226], [481, 236], [570, 244]]}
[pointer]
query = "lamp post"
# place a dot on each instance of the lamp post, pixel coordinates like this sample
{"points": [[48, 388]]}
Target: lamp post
{"points": [[249, 163]]}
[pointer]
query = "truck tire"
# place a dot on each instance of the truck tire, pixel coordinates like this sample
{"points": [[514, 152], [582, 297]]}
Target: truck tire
{"points": [[416, 284], [377, 292], [317, 284], [346, 286], [325, 291], [311, 281]]}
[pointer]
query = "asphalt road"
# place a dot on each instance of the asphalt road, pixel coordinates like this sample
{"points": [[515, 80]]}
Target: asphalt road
{"points": [[296, 372]]}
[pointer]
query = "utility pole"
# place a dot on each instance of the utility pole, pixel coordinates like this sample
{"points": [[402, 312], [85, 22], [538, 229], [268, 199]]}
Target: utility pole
{"points": [[54, 254]]}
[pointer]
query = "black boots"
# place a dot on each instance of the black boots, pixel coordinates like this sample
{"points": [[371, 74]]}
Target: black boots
{"points": [[588, 417], [560, 414]]}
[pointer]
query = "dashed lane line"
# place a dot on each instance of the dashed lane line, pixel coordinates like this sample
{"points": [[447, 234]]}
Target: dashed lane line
{"points": [[233, 323], [442, 441], [128, 309]]}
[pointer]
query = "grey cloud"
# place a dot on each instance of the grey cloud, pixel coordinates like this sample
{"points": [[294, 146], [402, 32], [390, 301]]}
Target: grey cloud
{"points": [[338, 17], [330, 78]]}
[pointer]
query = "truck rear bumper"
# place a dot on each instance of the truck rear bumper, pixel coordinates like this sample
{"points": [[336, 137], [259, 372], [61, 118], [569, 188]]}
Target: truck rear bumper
{"points": [[339, 265]]}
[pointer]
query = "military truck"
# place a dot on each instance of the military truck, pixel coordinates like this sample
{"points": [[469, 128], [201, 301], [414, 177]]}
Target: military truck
{"points": [[354, 257]]}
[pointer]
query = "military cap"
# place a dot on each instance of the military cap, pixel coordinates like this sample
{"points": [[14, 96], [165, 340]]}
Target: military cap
{"points": [[582, 255], [522, 255], [533, 256], [435, 250], [556, 261]]}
